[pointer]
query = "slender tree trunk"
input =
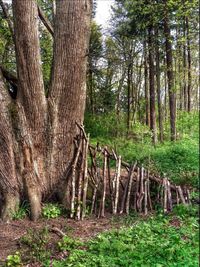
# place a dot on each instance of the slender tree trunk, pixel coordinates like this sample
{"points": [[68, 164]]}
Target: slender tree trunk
{"points": [[146, 85], [184, 67], [189, 67], [128, 97], [152, 86], [160, 112], [172, 94]]}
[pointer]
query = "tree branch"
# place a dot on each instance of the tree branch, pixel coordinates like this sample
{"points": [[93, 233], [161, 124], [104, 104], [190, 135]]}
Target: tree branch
{"points": [[45, 21], [10, 77]]}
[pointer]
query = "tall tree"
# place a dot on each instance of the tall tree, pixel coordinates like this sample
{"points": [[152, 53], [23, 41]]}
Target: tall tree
{"points": [[170, 76], [36, 132], [152, 85]]}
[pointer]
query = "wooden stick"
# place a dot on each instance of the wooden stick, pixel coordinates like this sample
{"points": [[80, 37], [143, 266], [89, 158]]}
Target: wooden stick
{"points": [[74, 180], [85, 183], [145, 198], [80, 182], [93, 199], [149, 192], [188, 196], [181, 195], [129, 187], [169, 196], [177, 196], [102, 213], [137, 189], [124, 196], [165, 195], [141, 189], [118, 169]]}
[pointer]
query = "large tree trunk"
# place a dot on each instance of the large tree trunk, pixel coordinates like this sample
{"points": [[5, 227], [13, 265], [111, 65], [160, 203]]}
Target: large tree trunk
{"points": [[171, 89], [68, 88], [8, 176], [37, 140]]}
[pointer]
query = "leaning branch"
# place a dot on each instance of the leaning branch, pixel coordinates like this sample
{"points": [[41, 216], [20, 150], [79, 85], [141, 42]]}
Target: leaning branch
{"points": [[45, 21], [10, 77]]}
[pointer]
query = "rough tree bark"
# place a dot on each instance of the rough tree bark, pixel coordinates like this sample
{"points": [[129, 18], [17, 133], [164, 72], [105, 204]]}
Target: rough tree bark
{"points": [[37, 140]]}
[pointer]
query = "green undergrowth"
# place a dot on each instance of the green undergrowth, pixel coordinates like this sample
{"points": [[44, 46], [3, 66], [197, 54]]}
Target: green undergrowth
{"points": [[162, 240], [156, 240], [178, 160]]}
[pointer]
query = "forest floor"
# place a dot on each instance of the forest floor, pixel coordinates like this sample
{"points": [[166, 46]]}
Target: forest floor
{"points": [[11, 233]]}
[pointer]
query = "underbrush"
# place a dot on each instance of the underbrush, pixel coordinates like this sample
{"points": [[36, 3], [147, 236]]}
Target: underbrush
{"points": [[154, 240], [179, 160]]}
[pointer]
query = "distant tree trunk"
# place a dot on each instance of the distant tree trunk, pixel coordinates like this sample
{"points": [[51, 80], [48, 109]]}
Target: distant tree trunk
{"points": [[172, 94], [152, 86], [160, 112], [128, 97], [146, 85], [189, 66], [184, 67], [36, 132], [180, 72], [119, 89]]}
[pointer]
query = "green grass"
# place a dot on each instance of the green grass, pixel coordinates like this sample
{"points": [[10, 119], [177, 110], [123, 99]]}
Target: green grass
{"points": [[178, 160], [157, 241]]}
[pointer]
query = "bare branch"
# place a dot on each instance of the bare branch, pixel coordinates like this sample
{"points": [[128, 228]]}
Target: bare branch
{"points": [[45, 21]]}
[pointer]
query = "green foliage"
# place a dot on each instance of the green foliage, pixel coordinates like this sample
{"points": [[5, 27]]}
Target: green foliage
{"points": [[21, 212], [35, 246], [177, 160], [14, 260], [157, 241], [50, 210], [68, 244], [185, 210]]}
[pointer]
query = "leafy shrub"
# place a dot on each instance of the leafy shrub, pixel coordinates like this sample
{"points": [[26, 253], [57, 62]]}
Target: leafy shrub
{"points": [[67, 244], [51, 211], [14, 260], [155, 242]]}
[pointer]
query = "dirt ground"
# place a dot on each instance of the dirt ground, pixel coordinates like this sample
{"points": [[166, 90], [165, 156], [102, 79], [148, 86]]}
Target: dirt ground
{"points": [[11, 233]]}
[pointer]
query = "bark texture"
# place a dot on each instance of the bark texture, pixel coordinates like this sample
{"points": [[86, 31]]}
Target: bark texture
{"points": [[36, 132]]}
